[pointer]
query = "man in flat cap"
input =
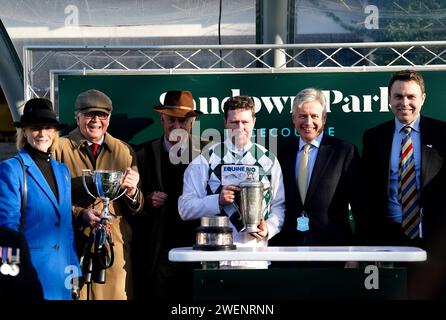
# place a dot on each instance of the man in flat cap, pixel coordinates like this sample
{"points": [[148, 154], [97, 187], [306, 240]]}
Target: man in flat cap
{"points": [[161, 163], [90, 146]]}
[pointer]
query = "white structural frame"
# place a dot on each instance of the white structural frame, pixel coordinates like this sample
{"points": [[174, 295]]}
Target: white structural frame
{"points": [[42, 64]]}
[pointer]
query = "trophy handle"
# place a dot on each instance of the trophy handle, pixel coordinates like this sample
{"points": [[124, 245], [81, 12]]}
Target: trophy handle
{"points": [[85, 183], [236, 207], [122, 193]]}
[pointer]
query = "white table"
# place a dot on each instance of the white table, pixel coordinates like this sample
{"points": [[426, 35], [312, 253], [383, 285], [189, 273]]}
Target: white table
{"points": [[341, 253], [214, 283]]}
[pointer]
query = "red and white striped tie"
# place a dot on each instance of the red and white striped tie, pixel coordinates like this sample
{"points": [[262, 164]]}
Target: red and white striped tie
{"points": [[407, 187]]}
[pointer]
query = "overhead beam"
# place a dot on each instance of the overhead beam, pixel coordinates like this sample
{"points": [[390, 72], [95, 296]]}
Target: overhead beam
{"points": [[11, 74]]}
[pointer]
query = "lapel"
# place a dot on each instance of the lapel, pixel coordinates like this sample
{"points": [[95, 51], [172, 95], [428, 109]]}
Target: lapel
{"points": [[157, 147], [160, 220], [62, 179], [384, 141], [79, 142], [290, 174], [325, 153], [431, 161], [34, 173]]}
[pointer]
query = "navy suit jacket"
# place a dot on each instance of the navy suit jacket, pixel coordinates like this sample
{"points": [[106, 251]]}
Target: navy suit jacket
{"points": [[377, 145], [333, 185]]}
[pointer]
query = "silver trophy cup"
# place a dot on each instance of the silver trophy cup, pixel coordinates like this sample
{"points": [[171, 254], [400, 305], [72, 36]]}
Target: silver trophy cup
{"points": [[107, 183], [251, 197]]}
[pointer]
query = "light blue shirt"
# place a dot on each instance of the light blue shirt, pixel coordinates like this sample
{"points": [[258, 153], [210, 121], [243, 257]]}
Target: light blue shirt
{"points": [[312, 155], [395, 212]]}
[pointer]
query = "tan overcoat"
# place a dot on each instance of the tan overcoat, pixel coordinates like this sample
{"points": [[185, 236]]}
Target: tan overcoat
{"points": [[115, 155]]}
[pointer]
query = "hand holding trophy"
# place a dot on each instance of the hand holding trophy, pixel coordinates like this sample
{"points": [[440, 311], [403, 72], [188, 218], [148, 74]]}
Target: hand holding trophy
{"points": [[97, 258], [107, 183], [251, 197]]}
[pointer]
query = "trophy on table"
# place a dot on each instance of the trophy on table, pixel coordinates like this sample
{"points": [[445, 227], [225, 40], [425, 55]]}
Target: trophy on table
{"points": [[107, 183]]}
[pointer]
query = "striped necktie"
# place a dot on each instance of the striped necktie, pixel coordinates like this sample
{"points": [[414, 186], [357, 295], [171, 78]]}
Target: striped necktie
{"points": [[302, 175], [407, 187]]}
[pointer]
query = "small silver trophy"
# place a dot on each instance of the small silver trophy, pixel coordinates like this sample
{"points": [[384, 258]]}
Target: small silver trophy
{"points": [[107, 183], [251, 197], [214, 233]]}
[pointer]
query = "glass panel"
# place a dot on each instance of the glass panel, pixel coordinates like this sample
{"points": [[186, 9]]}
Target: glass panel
{"points": [[117, 22], [340, 21], [375, 20]]}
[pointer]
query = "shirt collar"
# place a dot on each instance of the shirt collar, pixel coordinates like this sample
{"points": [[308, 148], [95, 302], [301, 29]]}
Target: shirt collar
{"points": [[35, 153], [167, 145], [316, 142], [415, 125], [231, 147], [99, 143]]}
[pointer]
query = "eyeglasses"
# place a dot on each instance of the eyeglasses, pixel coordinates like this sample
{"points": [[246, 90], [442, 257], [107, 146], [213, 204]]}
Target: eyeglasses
{"points": [[100, 115]]}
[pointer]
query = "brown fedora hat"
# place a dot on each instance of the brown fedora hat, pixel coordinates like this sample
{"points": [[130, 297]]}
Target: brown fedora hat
{"points": [[179, 104]]}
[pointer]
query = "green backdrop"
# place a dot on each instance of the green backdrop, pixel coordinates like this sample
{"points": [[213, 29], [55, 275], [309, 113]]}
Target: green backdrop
{"points": [[358, 100]]}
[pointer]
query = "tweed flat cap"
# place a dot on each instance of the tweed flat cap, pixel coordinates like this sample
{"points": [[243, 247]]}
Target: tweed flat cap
{"points": [[93, 100]]}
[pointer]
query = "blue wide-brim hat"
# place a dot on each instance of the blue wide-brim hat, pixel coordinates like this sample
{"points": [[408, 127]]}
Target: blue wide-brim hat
{"points": [[39, 112]]}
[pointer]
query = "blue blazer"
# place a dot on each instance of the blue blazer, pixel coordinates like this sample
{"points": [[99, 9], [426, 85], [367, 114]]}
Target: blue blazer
{"points": [[48, 225]]}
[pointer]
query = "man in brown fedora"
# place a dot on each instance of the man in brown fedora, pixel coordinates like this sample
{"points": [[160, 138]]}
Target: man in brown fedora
{"points": [[161, 163], [90, 146]]}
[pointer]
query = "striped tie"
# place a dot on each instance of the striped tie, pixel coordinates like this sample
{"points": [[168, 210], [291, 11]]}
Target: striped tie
{"points": [[407, 187]]}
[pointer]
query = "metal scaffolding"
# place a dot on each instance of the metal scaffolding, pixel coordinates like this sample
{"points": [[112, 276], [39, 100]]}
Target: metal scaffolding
{"points": [[43, 64]]}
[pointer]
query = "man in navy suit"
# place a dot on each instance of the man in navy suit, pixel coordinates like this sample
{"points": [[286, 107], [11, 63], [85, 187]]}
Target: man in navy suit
{"points": [[317, 206], [385, 205], [381, 153]]}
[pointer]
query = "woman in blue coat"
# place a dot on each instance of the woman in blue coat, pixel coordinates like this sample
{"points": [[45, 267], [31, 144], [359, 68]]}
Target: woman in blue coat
{"points": [[47, 220]]}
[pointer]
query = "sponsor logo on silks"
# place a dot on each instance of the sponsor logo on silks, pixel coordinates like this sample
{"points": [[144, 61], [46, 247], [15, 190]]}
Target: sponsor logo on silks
{"points": [[236, 173], [9, 261]]}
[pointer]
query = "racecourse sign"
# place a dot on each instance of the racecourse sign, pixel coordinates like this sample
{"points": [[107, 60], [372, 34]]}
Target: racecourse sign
{"points": [[356, 100], [347, 103]]}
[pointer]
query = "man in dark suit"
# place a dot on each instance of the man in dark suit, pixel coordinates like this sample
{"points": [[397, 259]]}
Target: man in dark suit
{"points": [[23, 284], [320, 177], [162, 163], [406, 207]]}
